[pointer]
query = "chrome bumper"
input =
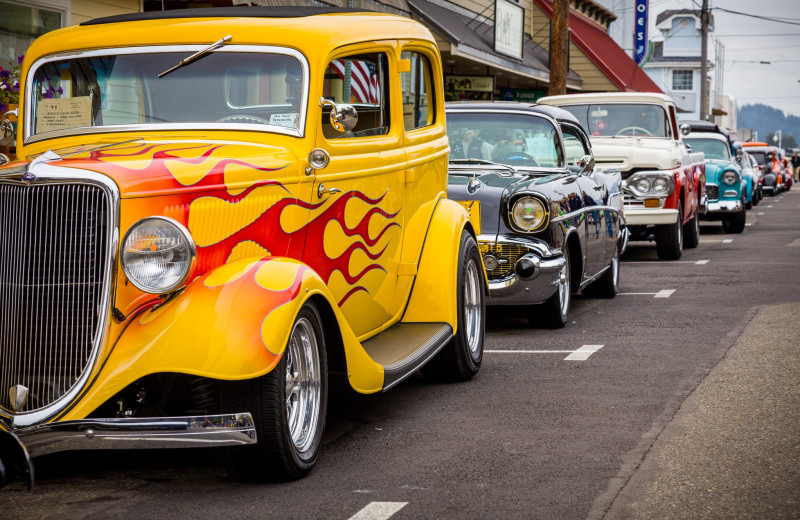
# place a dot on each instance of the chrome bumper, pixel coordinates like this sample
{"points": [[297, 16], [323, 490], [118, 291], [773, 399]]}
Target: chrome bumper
{"points": [[640, 216], [137, 433], [514, 290], [725, 206]]}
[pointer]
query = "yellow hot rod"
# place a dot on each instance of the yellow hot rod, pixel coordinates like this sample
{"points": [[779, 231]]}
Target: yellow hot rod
{"points": [[212, 212]]}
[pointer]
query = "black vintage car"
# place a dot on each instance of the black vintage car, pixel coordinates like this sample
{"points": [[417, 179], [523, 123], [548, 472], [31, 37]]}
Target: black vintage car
{"points": [[551, 224]]}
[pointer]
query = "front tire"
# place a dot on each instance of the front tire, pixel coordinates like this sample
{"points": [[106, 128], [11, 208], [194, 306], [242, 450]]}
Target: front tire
{"points": [[735, 223], [607, 286], [691, 233], [553, 313], [288, 406], [461, 358], [669, 238]]}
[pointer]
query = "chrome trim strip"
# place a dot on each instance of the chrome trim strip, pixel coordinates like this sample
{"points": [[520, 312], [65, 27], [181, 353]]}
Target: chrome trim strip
{"points": [[113, 51], [48, 174], [202, 431], [587, 209]]}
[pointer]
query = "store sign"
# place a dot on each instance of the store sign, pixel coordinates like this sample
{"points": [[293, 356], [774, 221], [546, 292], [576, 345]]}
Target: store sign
{"points": [[640, 31], [469, 83], [509, 21], [522, 95]]}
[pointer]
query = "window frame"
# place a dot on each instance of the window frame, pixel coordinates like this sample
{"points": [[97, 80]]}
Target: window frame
{"points": [[675, 88]]}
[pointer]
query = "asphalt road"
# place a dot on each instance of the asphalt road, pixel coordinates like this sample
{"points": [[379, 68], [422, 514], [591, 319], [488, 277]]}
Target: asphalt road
{"points": [[682, 401]]}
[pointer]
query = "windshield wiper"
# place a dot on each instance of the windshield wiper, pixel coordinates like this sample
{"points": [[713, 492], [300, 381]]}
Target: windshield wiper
{"points": [[197, 55], [483, 161]]}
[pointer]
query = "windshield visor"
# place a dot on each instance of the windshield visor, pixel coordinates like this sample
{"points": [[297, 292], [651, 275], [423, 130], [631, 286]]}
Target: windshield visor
{"points": [[711, 148], [622, 119], [258, 88], [513, 139]]}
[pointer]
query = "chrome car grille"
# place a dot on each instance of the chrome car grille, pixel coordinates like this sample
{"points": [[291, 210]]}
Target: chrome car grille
{"points": [[712, 191], [506, 254], [54, 242]]}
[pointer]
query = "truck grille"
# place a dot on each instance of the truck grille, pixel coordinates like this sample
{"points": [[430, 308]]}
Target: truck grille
{"points": [[506, 254], [53, 249]]}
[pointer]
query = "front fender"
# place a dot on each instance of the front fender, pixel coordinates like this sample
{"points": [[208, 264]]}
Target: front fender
{"points": [[231, 323]]}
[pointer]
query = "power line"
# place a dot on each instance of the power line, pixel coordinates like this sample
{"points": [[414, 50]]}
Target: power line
{"points": [[768, 18]]}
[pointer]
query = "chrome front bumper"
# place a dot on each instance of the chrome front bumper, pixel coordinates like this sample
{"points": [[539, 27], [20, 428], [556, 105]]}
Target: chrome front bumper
{"points": [[136, 433], [641, 216], [514, 290], [725, 206]]}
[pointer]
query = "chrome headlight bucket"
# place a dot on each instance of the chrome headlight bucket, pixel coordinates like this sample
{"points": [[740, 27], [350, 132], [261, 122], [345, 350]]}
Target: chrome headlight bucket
{"points": [[650, 184], [528, 214], [730, 177], [158, 254]]}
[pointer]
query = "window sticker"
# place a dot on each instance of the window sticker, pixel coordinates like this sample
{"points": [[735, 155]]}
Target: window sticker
{"points": [[289, 120], [58, 114]]}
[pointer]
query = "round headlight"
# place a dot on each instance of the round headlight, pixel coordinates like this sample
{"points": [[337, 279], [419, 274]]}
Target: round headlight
{"points": [[660, 185], [730, 177], [643, 185], [528, 213], [157, 254]]}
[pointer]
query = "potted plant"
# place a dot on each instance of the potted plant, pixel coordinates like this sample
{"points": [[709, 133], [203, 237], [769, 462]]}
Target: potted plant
{"points": [[9, 93]]}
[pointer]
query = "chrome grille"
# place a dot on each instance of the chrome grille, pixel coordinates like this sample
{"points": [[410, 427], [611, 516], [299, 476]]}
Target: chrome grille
{"points": [[508, 252], [712, 191], [53, 246]]}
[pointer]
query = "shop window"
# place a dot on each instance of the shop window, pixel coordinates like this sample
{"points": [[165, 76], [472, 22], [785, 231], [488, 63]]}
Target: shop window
{"points": [[418, 102], [20, 24], [682, 80], [361, 81]]}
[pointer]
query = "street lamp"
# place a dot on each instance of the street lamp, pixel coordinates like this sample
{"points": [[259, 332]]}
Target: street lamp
{"points": [[777, 138]]}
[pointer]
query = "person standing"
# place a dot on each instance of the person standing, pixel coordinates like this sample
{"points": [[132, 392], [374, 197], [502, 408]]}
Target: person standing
{"points": [[796, 166]]}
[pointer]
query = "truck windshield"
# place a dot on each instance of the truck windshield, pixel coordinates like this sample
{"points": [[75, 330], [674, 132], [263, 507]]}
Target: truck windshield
{"points": [[711, 148], [264, 90], [622, 119]]}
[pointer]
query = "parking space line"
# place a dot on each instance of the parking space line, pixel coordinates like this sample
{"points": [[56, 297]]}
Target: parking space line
{"points": [[701, 262], [583, 353], [727, 241], [378, 510], [666, 293], [760, 213]]}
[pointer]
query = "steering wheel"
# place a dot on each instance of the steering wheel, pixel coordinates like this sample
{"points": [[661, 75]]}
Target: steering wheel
{"points": [[519, 156], [632, 128], [242, 118]]}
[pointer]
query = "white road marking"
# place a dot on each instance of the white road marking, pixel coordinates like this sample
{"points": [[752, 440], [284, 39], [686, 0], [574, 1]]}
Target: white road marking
{"points": [[770, 206], [760, 213], [748, 224], [727, 241], [666, 293], [378, 510], [583, 353], [701, 262]]}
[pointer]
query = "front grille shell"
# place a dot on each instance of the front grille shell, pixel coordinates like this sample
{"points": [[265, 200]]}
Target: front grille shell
{"points": [[50, 335]]}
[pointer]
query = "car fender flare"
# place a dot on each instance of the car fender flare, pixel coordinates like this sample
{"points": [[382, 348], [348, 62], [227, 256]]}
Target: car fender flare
{"points": [[231, 323]]}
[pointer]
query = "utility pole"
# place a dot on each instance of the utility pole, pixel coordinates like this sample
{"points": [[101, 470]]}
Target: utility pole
{"points": [[558, 48], [704, 62]]}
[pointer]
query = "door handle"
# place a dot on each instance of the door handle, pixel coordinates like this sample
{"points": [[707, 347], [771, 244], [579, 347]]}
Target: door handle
{"points": [[321, 190]]}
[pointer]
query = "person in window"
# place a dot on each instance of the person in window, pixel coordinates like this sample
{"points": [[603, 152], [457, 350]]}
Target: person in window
{"points": [[507, 147], [470, 146]]}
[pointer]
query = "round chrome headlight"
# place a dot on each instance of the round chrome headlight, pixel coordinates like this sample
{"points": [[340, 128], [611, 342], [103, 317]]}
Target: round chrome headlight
{"points": [[643, 185], [528, 213], [157, 254], [660, 185], [730, 177]]}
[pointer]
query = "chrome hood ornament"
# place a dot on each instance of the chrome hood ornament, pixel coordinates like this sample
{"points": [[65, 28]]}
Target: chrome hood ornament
{"points": [[46, 157], [18, 395]]}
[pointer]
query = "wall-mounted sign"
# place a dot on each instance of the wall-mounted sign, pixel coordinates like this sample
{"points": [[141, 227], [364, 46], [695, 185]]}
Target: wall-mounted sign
{"points": [[509, 27], [469, 83], [640, 31], [523, 95]]}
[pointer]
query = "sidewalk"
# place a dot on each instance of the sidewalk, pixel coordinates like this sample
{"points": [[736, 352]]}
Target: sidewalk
{"points": [[733, 448]]}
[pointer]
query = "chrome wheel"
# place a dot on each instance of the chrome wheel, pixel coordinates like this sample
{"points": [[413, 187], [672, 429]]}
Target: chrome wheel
{"points": [[473, 308], [303, 384], [564, 290]]}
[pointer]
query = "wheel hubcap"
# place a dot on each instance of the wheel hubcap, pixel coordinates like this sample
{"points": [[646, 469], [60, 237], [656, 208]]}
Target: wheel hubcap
{"points": [[303, 385], [472, 307], [563, 290]]}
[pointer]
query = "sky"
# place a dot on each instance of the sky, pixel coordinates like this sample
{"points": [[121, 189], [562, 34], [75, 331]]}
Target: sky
{"points": [[747, 42]]}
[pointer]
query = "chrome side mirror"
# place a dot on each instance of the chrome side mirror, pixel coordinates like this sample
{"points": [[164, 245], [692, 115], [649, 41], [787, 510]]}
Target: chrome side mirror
{"points": [[7, 129], [585, 163], [686, 129], [344, 117], [4, 159], [688, 147]]}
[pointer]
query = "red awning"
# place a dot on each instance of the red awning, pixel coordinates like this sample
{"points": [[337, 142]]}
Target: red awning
{"points": [[605, 53]]}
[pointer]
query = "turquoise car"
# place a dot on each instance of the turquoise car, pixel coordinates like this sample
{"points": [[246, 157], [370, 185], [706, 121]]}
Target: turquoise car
{"points": [[727, 189]]}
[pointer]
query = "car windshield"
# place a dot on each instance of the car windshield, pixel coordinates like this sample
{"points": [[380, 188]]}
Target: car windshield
{"points": [[760, 157], [516, 140], [265, 88], [711, 148], [622, 119]]}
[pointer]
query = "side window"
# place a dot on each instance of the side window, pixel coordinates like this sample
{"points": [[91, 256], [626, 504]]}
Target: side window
{"points": [[360, 80], [574, 146], [418, 102]]}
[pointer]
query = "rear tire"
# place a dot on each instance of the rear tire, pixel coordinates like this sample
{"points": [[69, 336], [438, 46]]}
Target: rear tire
{"points": [[288, 406], [669, 238], [461, 358]]}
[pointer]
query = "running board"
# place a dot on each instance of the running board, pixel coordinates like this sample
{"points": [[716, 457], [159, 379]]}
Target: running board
{"points": [[404, 348]]}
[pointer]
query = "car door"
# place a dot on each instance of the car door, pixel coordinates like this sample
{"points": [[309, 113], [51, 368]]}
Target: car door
{"points": [[356, 230], [593, 192]]}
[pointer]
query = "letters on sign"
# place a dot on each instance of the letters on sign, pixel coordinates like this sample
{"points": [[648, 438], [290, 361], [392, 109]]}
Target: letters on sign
{"points": [[640, 32]]}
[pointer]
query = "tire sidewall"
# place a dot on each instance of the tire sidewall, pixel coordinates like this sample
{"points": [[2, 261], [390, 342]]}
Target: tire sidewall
{"points": [[469, 251]]}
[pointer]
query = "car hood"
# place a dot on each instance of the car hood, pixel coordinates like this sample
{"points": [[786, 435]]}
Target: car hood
{"points": [[170, 167], [625, 153], [714, 169], [493, 188]]}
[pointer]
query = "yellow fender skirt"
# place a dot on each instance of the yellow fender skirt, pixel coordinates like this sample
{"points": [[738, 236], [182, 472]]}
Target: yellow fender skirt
{"points": [[232, 323]]}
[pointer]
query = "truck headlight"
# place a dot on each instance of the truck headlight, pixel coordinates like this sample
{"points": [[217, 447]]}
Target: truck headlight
{"points": [[528, 214], [158, 254], [730, 177], [651, 184]]}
